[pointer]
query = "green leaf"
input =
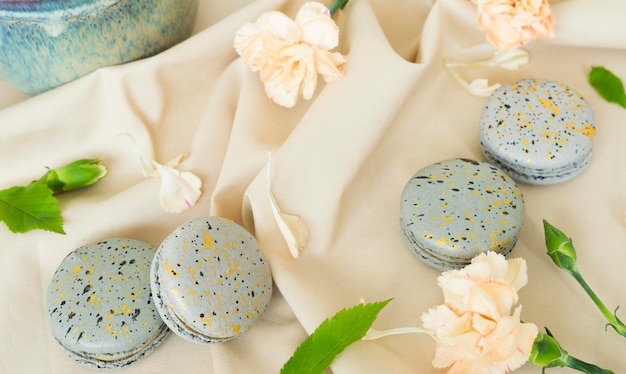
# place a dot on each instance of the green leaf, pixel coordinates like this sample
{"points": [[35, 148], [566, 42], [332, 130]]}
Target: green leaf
{"points": [[30, 207], [608, 85], [331, 337]]}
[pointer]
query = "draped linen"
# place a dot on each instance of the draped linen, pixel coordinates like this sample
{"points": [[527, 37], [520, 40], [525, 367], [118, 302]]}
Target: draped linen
{"points": [[340, 161]]}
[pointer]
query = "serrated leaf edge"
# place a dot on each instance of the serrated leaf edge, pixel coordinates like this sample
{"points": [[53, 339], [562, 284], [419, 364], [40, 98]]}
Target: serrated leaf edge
{"points": [[374, 307], [42, 224]]}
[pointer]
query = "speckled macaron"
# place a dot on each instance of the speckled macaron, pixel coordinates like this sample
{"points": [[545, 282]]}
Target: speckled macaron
{"points": [[210, 280], [537, 131], [99, 304], [451, 211]]}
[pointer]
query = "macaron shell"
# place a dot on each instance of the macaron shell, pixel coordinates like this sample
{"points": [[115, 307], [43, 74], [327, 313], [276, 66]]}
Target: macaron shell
{"points": [[116, 362], [455, 209], [210, 280], [99, 304], [538, 131]]}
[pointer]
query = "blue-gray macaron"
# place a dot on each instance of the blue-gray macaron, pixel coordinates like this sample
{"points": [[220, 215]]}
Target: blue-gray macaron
{"points": [[210, 280], [100, 307], [537, 131], [453, 210]]}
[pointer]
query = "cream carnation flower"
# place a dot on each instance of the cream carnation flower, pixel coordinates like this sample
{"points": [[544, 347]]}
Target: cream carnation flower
{"points": [[478, 326], [288, 54], [512, 23]]}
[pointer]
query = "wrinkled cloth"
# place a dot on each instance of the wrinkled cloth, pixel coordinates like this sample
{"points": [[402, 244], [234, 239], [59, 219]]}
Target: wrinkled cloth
{"points": [[340, 161]]}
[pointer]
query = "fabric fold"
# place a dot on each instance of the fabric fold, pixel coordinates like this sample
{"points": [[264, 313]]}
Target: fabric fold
{"points": [[340, 162]]}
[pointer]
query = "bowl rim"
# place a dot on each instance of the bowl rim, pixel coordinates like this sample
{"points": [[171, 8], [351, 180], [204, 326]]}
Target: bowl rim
{"points": [[39, 10]]}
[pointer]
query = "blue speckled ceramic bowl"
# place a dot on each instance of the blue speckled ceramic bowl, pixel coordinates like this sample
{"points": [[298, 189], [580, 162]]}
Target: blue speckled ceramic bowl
{"points": [[46, 43]]}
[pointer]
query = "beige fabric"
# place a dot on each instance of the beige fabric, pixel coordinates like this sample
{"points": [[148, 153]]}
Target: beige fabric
{"points": [[341, 161]]}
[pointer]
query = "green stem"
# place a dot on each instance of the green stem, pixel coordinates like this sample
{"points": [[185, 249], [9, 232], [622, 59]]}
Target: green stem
{"points": [[585, 367], [336, 5], [611, 317]]}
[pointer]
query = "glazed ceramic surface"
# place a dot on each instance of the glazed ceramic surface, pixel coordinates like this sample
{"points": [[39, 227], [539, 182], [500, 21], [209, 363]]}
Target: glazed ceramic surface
{"points": [[453, 210], [46, 43], [538, 131], [100, 307], [210, 280]]}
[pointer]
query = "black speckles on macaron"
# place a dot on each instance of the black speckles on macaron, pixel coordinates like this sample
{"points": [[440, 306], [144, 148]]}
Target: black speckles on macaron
{"points": [[210, 280], [99, 304], [538, 131], [453, 210]]}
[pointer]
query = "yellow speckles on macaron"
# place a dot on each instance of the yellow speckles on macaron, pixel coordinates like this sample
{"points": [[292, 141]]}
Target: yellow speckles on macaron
{"points": [[99, 303], [222, 277], [208, 242], [170, 270], [443, 241], [549, 104], [587, 130], [538, 131], [462, 216]]}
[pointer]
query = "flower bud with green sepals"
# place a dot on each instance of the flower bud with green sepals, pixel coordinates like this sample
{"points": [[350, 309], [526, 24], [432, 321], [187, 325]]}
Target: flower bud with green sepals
{"points": [[547, 353], [75, 175], [560, 248]]}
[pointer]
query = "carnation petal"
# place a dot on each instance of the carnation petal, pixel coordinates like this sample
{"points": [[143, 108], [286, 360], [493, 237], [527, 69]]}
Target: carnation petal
{"points": [[510, 60], [175, 161], [480, 87], [491, 299], [179, 190], [496, 264], [292, 227], [510, 344], [147, 168], [460, 348], [318, 28], [456, 284], [244, 36], [517, 275], [329, 65], [309, 82], [483, 325], [280, 95], [279, 25]]}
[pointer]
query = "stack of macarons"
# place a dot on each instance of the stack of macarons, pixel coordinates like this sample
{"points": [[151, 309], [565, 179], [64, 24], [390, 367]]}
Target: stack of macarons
{"points": [[537, 131], [111, 302], [531, 131], [455, 209], [210, 280], [99, 304]]}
